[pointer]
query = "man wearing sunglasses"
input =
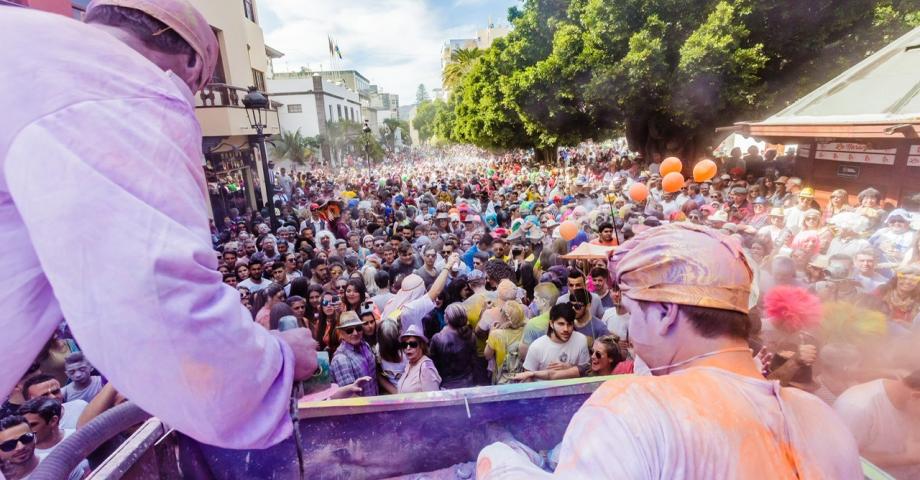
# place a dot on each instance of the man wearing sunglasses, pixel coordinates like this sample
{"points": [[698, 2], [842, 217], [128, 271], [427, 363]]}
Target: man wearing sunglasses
{"points": [[17, 448], [353, 363]]}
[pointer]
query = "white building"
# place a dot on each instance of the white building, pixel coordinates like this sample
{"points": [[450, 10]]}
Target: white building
{"points": [[309, 101]]}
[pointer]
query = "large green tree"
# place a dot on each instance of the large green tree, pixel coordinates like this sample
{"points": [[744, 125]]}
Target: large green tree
{"points": [[664, 72]]}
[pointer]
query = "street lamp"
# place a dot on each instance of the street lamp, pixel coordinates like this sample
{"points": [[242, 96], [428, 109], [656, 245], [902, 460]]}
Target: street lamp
{"points": [[367, 145], [257, 112]]}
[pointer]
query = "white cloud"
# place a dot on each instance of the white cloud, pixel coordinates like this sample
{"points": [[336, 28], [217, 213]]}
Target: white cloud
{"points": [[396, 44]]}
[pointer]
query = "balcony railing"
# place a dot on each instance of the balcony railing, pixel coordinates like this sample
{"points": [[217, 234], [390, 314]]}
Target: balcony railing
{"points": [[223, 95]]}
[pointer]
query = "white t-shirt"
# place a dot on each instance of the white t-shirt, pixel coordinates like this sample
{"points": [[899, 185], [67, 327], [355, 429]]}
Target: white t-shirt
{"points": [[72, 411], [544, 351], [616, 323], [77, 473], [254, 287], [878, 426]]}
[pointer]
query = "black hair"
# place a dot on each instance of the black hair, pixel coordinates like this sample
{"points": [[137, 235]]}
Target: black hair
{"points": [[576, 273], [599, 272], [230, 275], [47, 408], [563, 311], [260, 298], [151, 32], [75, 357], [361, 288], [255, 262], [11, 421], [716, 322], [40, 378], [604, 226], [382, 279]]}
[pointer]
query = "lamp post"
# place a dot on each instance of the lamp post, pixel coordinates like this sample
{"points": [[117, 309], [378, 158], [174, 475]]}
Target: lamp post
{"points": [[367, 146], [257, 112]]}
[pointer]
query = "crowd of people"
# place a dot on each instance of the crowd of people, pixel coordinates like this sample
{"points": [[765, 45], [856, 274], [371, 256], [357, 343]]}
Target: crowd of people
{"points": [[447, 270]]}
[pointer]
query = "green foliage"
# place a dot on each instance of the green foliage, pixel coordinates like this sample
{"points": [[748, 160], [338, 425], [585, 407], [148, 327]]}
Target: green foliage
{"points": [[665, 72], [425, 115], [366, 144], [293, 146], [421, 94], [391, 124], [461, 61]]}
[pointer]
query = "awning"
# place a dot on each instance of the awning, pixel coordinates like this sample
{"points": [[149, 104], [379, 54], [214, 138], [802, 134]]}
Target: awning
{"points": [[878, 98], [589, 251]]}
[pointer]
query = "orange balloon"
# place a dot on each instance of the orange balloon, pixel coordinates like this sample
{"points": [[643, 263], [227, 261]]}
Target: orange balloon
{"points": [[568, 230], [670, 164], [672, 182], [638, 192], [704, 171]]}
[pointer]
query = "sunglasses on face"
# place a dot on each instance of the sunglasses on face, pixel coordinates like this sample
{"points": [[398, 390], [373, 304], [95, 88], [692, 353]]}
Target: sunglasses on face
{"points": [[578, 305], [597, 354], [10, 445], [351, 330], [409, 344], [333, 302]]}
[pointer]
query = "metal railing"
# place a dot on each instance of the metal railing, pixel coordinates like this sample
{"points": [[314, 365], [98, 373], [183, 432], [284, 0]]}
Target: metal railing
{"points": [[223, 95]]}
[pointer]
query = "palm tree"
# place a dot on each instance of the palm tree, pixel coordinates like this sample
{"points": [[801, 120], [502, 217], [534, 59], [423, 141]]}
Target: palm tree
{"points": [[292, 145], [461, 61]]}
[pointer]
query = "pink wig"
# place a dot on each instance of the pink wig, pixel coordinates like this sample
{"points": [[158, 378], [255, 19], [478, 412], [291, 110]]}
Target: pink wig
{"points": [[792, 309]]}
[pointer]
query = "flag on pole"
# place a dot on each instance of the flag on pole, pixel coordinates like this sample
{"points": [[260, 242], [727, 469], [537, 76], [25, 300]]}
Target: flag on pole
{"points": [[337, 51], [331, 45]]}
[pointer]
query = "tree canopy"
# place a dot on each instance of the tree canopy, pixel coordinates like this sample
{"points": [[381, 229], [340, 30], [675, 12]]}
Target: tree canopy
{"points": [[294, 146], [421, 94], [665, 73]]}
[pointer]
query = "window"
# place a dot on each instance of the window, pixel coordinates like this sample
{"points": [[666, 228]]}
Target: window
{"points": [[295, 108], [331, 117], [258, 79], [218, 75], [339, 107], [248, 10]]}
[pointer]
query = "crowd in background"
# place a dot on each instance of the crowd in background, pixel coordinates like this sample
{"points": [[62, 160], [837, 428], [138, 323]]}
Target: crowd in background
{"points": [[447, 269]]}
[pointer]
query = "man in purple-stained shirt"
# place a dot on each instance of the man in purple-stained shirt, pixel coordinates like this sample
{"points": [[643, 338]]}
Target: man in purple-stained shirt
{"points": [[107, 108]]}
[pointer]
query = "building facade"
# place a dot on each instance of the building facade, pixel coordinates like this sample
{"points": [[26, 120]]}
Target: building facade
{"points": [[310, 103], [231, 151]]}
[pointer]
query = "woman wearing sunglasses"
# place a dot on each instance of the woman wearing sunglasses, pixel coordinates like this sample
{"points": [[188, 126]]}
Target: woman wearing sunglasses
{"points": [[330, 310], [421, 375]]}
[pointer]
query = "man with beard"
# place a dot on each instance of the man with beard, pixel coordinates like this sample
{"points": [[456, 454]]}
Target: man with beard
{"points": [[561, 348], [705, 411]]}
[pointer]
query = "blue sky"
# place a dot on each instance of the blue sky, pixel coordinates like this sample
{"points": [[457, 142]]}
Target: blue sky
{"points": [[394, 43]]}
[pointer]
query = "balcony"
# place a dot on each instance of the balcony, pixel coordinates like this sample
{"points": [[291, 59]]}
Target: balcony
{"points": [[219, 108]]}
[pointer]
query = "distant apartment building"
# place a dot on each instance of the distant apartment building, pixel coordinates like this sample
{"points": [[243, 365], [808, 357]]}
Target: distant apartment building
{"points": [[484, 39]]}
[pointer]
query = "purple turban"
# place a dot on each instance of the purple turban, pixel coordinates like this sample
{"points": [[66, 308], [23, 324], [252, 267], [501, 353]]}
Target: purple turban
{"points": [[185, 20]]}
